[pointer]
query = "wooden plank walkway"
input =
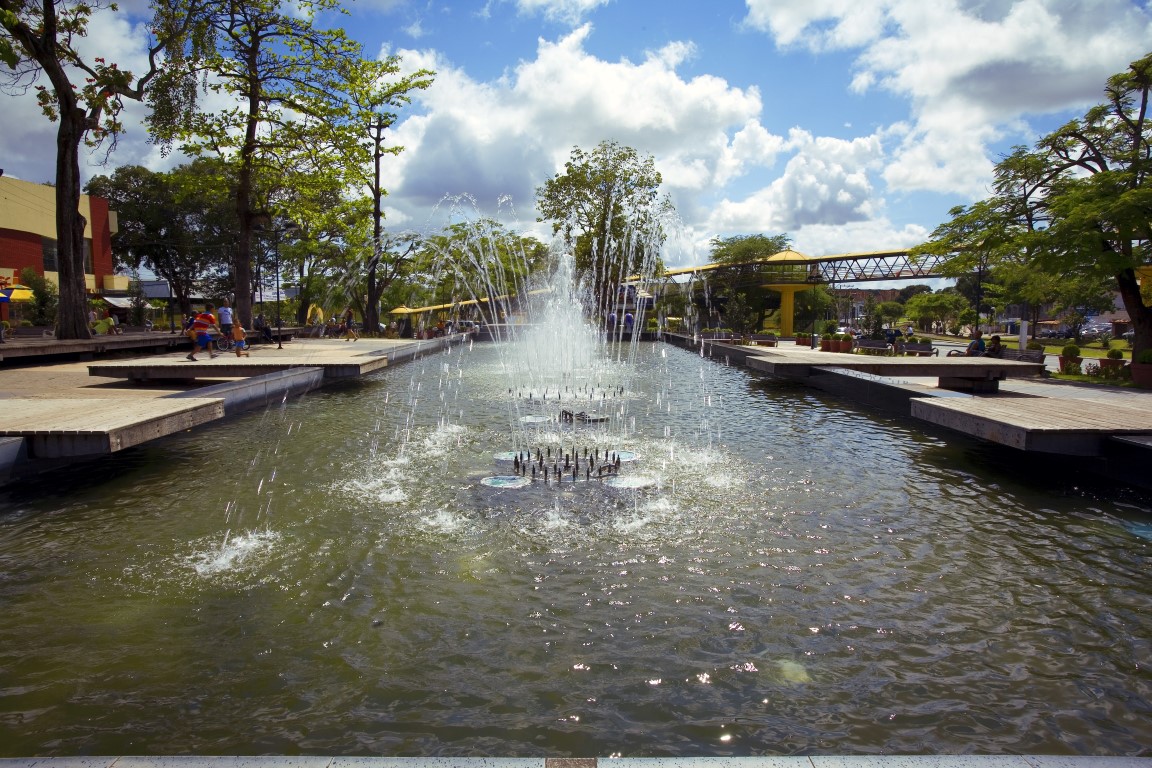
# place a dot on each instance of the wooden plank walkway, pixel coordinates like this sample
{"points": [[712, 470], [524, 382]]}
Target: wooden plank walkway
{"points": [[57, 428], [336, 361], [963, 373], [1078, 427]]}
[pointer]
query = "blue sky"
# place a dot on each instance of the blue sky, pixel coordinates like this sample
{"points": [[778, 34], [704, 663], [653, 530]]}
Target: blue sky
{"points": [[850, 125]]}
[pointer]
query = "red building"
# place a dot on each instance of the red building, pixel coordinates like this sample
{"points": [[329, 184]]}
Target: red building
{"points": [[28, 237]]}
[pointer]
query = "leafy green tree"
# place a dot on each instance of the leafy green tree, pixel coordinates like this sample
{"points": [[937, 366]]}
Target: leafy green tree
{"points": [[742, 257], [40, 40], [478, 261], [299, 100], [176, 224], [909, 291], [607, 206], [740, 315], [813, 304], [943, 307], [1078, 206], [890, 312], [45, 299]]}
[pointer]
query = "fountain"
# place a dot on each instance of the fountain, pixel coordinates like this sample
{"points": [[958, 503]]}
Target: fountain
{"points": [[563, 544]]}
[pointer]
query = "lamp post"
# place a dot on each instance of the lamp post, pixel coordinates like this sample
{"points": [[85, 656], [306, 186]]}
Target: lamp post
{"points": [[265, 221], [279, 323]]}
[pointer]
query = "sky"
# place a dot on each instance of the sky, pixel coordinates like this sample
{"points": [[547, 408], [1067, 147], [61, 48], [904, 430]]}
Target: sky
{"points": [[849, 125]]}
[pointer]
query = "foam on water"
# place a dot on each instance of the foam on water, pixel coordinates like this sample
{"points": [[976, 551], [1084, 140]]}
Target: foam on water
{"points": [[247, 549]]}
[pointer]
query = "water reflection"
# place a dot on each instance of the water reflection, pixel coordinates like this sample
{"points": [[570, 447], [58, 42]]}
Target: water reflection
{"points": [[330, 576]]}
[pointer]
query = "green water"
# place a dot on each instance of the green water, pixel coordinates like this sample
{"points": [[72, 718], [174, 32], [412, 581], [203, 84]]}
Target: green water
{"points": [[330, 576]]}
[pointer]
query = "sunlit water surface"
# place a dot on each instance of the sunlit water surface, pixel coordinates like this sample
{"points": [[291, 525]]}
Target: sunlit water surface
{"points": [[331, 576]]}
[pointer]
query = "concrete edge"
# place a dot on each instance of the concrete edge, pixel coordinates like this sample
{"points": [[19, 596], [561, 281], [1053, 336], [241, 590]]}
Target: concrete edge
{"points": [[259, 391], [781, 761]]}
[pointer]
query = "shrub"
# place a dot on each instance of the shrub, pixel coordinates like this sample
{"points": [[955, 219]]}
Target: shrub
{"points": [[1091, 369], [1115, 354], [1035, 345], [1070, 350], [826, 337]]}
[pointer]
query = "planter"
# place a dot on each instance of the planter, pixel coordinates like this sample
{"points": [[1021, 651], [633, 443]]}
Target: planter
{"points": [[1141, 374], [803, 342], [1109, 362], [825, 345], [1069, 363], [845, 346]]}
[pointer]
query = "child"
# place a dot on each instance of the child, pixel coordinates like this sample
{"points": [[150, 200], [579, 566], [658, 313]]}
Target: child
{"points": [[238, 337]]}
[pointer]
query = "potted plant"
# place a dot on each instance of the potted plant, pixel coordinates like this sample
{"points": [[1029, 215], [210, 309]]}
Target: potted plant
{"points": [[1141, 369], [826, 343], [803, 339], [1114, 361], [1070, 359], [845, 342]]}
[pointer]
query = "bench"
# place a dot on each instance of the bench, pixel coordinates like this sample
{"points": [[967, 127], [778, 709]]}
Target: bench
{"points": [[1023, 355], [763, 339], [921, 350], [873, 346]]}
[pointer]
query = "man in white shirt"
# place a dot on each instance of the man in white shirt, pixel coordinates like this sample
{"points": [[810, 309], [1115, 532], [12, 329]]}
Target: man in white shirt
{"points": [[225, 312]]}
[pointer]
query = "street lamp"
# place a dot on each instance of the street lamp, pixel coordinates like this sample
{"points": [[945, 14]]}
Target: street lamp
{"points": [[277, 232]]}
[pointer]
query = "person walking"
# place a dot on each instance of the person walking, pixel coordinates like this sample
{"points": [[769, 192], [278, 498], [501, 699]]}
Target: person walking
{"points": [[201, 325], [350, 326]]}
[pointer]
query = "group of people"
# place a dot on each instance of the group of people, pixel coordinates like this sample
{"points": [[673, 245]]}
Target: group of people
{"points": [[344, 327], [107, 325], [977, 347], [199, 327]]}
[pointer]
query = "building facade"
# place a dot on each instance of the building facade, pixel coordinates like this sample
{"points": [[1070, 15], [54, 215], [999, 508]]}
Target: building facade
{"points": [[28, 237]]}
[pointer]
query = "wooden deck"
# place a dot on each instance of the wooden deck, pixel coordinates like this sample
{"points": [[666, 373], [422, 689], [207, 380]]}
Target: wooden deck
{"points": [[57, 428], [971, 374], [1047, 425], [339, 363]]}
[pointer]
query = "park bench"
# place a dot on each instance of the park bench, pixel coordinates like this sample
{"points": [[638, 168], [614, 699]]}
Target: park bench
{"points": [[873, 346], [764, 339], [1023, 355], [921, 350]]}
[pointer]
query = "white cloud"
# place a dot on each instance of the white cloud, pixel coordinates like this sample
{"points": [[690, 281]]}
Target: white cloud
{"points": [[972, 72], [825, 183], [568, 11], [506, 137]]}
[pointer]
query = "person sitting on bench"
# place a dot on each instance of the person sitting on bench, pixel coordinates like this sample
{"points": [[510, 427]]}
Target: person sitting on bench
{"points": [[995, 348], [975, 348]]}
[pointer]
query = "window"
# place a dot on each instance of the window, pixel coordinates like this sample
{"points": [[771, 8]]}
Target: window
{"points": [[48, 248], [52, 260]]}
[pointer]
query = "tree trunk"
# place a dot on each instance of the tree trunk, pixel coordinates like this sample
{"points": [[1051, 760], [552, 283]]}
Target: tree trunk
{"points": [[72, 315], [1140, 315]]}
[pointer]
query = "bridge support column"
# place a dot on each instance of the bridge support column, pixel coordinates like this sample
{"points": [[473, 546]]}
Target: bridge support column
{"points": [[788, 293]]}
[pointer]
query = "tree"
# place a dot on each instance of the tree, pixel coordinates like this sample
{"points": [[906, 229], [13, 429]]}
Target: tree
{"points": [[909, 291], [943, 307], [45, 298], [741, 257], [301, 99], [40, 41], [478, 261], [1078, 207], [606, 205], [176, 223], [740, 315]]}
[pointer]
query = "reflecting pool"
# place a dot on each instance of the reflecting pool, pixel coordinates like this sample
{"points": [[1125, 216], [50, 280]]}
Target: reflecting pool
{"points": [[777, 573]]}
